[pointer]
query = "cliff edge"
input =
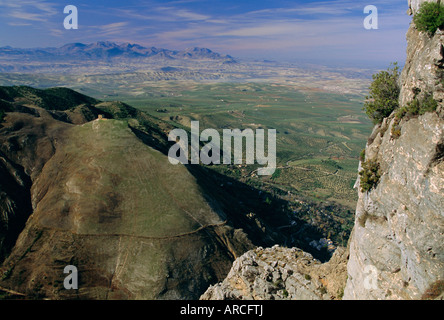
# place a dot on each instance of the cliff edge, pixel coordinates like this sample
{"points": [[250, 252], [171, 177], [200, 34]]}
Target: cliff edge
{"points": [[396, 247]]}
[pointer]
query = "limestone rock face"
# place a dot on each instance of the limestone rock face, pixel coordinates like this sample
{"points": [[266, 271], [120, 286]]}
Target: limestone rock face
{"points": [[424, 67], [396, 247], [279, 273]]}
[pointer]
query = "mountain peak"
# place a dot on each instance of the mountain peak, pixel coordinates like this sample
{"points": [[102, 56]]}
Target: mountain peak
{"points": [[105, 44], [197, 49]]}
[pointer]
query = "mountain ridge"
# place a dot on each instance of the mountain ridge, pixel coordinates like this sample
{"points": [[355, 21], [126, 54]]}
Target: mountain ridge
{"points": [[109, 50]]}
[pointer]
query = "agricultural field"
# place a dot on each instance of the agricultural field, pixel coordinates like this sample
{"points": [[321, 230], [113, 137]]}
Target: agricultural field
{"points": [[321, 130], [319, 134]]}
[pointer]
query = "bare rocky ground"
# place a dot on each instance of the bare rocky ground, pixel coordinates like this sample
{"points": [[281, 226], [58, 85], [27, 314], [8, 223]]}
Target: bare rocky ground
{"points": [[280, 273]]}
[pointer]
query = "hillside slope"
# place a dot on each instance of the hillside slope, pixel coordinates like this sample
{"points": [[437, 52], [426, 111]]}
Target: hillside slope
{"points": [[69, 176], [93, 194]]}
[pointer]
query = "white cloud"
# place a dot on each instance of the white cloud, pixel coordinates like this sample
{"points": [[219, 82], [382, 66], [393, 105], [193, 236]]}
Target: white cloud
{"points": [[113, 26], [189, 15], [263, 30], [27, 13], [116, 28], [19, 24], [28, 7], [26, 16]]}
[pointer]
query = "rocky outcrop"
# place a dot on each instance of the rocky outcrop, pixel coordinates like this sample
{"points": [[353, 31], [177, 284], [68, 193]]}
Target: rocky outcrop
{"points": [[396, 247], [280, 273], [424, 68]]}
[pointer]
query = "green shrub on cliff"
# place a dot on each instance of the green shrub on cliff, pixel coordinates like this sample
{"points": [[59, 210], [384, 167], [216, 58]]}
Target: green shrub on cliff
{"points": [[418, 106], [370, 175], [384, 94], [430, 17]]}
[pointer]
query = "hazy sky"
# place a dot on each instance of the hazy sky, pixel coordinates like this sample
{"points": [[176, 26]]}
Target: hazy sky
{"points": [[312, 30]]}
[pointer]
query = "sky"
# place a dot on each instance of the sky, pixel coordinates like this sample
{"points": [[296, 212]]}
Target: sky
{"points": [[325, 32]]}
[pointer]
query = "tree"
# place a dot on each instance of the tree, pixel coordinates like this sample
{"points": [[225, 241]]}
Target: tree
{"points": [[383, 95]]}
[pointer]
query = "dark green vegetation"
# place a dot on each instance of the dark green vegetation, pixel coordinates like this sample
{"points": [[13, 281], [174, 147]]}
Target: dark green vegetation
{"points": [[383, 94], [418, 106], [430, 17], [52, 98], [370, 175]]}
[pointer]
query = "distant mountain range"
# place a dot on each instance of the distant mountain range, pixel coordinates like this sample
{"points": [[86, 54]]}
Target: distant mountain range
{"points": [[105, 50]]}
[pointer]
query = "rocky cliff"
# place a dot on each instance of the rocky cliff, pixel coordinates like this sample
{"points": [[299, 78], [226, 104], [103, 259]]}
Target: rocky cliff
{"points": [[396, 248], [280, 273]]}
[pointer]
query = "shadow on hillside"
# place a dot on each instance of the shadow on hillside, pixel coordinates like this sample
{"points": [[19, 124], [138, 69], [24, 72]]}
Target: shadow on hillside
{"points": [[265, 218], [15, 203]]}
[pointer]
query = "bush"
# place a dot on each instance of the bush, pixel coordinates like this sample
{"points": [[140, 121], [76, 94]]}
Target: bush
{"points": [[362, 155], [276, 174], [384, 94], [396, 130], [430, 17], [370, 175], [418, 107], [428, 104]]}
